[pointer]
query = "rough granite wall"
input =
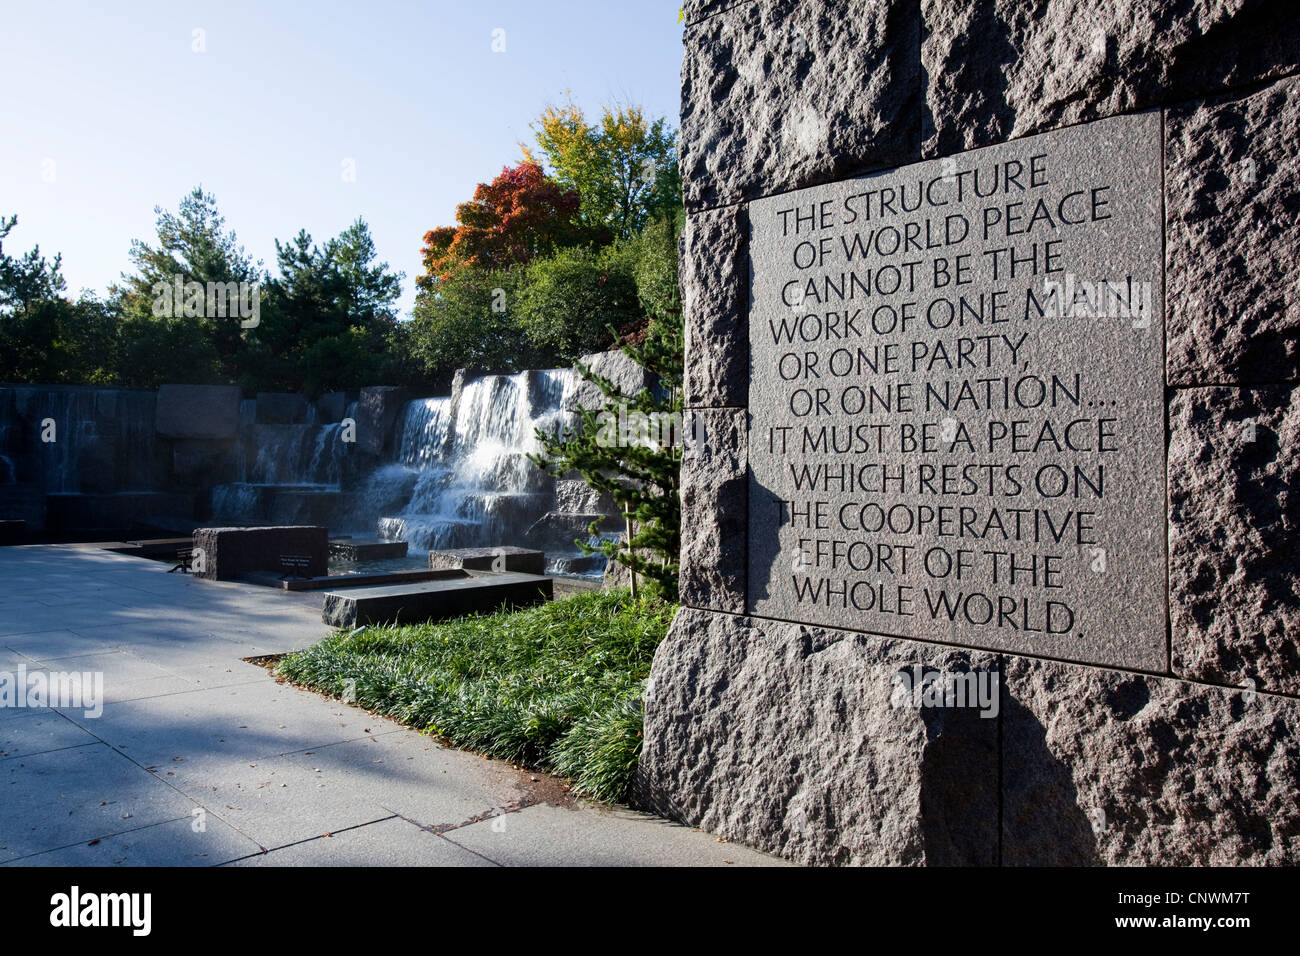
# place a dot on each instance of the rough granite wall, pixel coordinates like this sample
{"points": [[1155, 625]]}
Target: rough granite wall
{"points": [[782, 735]]}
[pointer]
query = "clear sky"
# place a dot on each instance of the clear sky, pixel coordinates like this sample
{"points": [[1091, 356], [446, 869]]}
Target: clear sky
{"points": [[107, 110]]}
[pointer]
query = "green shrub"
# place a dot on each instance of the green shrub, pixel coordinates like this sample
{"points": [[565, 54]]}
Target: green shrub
{"points": [[570, 301]]}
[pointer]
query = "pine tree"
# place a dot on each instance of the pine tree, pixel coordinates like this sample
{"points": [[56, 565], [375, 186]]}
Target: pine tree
{"points": [[631, 449]]}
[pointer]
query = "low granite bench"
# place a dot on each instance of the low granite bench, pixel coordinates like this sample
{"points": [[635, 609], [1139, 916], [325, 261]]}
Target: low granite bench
{"points": [[453, 596], [523, 560], [222, 554]]}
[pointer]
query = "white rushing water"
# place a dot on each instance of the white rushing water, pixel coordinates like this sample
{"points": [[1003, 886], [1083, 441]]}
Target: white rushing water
{"points": [[475, 486], [459, 473]]}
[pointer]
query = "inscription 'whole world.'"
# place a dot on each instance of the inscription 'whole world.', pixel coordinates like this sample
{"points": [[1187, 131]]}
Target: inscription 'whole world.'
{"points": [[957, 399]]}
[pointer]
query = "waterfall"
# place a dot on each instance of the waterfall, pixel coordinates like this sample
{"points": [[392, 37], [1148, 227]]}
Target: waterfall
{"points": [[8, 471], [287, 474], [472, 483], [423, 431], [76, 440], [455, 472], [74, 432]]}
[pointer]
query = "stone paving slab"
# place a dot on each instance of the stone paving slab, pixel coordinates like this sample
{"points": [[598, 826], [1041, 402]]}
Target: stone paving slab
{"points": [[36, 617], [252, 720], [173, 843], [74, 795], [116, 665], [61, 642], [274, 801], [40, 730], [119, 692], [553, 836], [219, 665], [390, 842], [414, 777]]}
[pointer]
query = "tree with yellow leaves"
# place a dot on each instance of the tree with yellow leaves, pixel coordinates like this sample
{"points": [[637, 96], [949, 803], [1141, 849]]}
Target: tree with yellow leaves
{"points": [[624, 167]]}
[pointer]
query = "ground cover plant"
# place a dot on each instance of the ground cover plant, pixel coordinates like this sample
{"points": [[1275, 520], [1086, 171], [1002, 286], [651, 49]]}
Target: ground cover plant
{"points": [[555, 687]]}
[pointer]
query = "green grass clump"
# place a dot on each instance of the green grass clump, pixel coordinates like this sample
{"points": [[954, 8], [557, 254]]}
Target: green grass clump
{"points": [[555, 687]]}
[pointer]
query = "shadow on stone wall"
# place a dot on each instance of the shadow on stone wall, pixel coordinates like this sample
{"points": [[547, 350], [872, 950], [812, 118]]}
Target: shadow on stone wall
{"points": [[958, 776], [1042, 823]]}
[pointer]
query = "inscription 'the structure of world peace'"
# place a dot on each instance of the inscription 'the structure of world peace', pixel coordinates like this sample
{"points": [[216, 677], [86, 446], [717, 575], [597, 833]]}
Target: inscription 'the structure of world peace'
{"points": [[956, 404]]}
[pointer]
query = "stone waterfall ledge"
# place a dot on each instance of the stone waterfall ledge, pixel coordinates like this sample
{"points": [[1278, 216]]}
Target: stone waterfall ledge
{"points": [[715, 308], [997, 70], [415, 602], [1104, 767], [780, 94], [782, 736], [715, 494], [629, 377], [1232, 196], [197, 411], [500, 559], [377, 413], [1234, 536]]}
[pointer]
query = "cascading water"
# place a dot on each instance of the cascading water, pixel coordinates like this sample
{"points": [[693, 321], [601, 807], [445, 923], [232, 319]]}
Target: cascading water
{"points": [[475, 486], [459, 474], [288, 474], [424, 432], [8, 472], [77, 439]]}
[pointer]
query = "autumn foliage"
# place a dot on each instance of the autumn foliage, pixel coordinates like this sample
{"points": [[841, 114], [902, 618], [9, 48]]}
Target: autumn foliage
{"points": [[519, 215]]}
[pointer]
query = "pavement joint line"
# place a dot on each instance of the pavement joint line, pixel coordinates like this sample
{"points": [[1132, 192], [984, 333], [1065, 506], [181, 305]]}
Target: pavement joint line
{"points": [[441, 832], [315, 747], [52, 750], [438, 829], [253, 679], [88, 841], [55, 710], [261, 756], [267, 851], [172, 693], [32, 712], [159, 778], [217, 813], [336, 743], [470, 850], [67, 657], [45, 630]]}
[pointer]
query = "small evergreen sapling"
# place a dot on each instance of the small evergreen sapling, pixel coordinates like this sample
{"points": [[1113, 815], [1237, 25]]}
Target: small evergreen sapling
{"points": [[631, 449]]}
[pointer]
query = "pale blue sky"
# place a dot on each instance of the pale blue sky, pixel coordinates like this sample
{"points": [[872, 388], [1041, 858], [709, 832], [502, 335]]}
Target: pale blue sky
{"points": [[113, 101]]}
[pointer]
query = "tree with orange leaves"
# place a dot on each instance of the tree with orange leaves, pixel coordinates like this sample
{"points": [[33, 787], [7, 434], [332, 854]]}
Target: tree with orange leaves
{"points": [[519, 215]]}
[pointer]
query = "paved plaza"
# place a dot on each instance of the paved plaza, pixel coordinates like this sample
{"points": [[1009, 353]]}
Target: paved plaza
{"points": [[201, 758]]}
